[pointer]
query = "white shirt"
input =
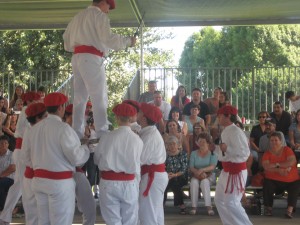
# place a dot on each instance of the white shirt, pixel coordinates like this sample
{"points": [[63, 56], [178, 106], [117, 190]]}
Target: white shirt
{"points": [[119, 151], [154, 151], [135, 127], [294, 105], [25, 149], [237, 145], [55, 146], [5, 161], [165, 109], [21, 124], [91, 27]]}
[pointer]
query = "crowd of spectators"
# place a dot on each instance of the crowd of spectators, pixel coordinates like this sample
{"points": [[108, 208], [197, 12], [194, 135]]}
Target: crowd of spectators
{"points": [[190, 120]]}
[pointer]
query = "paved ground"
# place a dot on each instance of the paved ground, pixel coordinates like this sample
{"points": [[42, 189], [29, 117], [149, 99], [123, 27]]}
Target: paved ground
{"points": [[172, 216]]}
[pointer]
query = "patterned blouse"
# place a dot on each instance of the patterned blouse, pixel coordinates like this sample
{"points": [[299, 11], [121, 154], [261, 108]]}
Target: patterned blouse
{"points": [[177, 163]]}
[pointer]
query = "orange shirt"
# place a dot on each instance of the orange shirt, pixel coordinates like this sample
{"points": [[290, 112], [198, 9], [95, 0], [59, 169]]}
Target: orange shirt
{"points": [[292, 175]]}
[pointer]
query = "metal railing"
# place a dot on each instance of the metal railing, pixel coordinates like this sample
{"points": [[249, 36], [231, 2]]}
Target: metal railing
{"points": [[52, 80], [250, 89]]}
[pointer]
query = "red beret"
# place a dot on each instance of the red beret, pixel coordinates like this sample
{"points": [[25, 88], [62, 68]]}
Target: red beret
{"points": [[69, 108], [55, 99], [133, 103], [228, 110], [111, 3], [124, 109], [89, 103], [151, 112], [35, 109], [30, 96]]}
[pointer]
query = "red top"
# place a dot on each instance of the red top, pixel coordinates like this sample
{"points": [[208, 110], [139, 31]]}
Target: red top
{"points": [[291, 176], [176, 104]]}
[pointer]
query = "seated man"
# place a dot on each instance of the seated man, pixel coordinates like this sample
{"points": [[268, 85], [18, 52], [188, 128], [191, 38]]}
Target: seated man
{"points": [[7, 169], [148, 95]]}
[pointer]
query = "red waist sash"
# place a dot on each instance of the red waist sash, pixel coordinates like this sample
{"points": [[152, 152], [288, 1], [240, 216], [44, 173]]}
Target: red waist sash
{"points": [[80, 170], [111, 175], [53, 175], [151, 169], [235, 176], [18, 143], [87, 49], [29, 172]]}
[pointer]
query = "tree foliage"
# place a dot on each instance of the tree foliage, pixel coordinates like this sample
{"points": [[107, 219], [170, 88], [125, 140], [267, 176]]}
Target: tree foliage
{"points": [[40, 50], [243, 49]]}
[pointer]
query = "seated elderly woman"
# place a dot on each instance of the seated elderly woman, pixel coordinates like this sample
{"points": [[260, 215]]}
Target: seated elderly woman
{"points": [[281, 174], [202, 164], [177, 169]]}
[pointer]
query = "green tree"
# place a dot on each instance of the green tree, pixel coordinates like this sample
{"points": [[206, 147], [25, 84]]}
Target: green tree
{"points": [[232, 58]]}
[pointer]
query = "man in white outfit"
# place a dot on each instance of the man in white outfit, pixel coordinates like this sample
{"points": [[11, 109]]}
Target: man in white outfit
{"points": [[233, 153], [34, 113], [55, 151], [83, 191], [15, 190], [89, 37], [118, 156], [154, 178]]}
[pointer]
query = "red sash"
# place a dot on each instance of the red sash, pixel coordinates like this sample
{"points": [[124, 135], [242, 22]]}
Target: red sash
{"points": [[18, 143], [235, 177], [53, 175], [87, 49], [111, 175], [29, 172], [80, 170], [151, 169]]}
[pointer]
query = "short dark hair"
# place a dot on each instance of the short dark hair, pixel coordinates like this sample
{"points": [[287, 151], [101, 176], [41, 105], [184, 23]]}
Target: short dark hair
{"points": [[41, 88], [276, 134], [4, 137], [175, 109], [195, 106], [205, 136], [278, 103], [52, 109], [289, 94], [157, 93], [197, 89], [149, 121]]}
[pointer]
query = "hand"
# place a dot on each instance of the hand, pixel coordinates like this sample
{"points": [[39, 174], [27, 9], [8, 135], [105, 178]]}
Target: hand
{"points": [[223, 147], [171, 175], [284, 171], [133, 41]]}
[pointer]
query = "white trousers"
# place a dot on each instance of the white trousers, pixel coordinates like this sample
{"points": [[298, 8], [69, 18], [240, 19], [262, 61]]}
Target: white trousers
{"points": [[151, 211], [229, 204], [205, 189], [29, 203], [89, 80], [55, 200], [119, 202], [85, 199], [15, 191]]}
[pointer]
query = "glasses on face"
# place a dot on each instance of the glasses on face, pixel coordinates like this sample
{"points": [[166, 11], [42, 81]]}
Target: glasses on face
{"points": [[262, 117]]}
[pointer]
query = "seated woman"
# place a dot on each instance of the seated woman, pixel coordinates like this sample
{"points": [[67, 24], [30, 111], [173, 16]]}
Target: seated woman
{"points": [[175, 114], [180, 99], [197, 130], [19, 90], [177, 168], [173, 129], [202, 164], [193, 118], [294, 134], [281, 174]]}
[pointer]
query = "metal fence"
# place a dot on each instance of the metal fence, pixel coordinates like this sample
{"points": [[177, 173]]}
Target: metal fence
{"points": [[52, 80], [250, 89]]}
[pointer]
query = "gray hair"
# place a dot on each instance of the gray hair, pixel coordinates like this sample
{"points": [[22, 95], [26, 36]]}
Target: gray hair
{"points": [[172, 139]]}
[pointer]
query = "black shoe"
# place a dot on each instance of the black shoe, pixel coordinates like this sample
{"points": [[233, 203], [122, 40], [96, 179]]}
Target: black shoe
{"points": [[96, 196]]}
